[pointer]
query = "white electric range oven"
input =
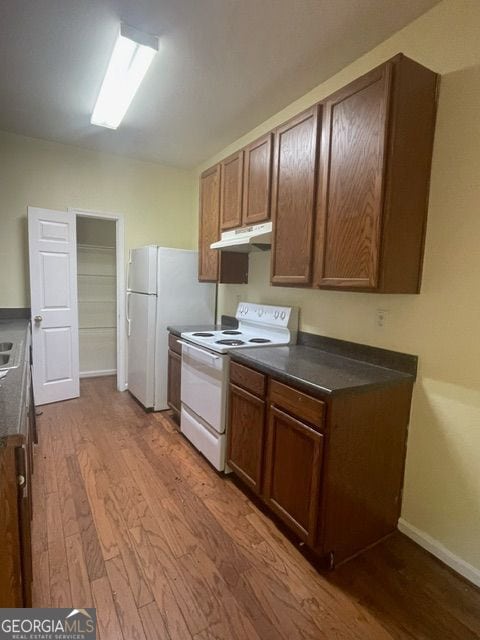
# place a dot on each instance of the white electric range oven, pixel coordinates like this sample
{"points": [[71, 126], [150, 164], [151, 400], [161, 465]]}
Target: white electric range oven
{"points": [[205, 370]]}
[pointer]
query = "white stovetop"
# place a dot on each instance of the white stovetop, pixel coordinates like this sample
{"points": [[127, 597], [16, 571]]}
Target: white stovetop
{"points": [[272, 324]]}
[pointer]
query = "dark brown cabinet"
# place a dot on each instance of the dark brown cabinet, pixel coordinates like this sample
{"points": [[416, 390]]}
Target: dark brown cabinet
{"points": [[293, 472], [377, 138], [346, 185], [16, 469], [246, 437], [246, 434], [174, 375], [331, 469], [294, 198], [246, 185], [225, 267], [208, 259], [257, 180], [231, 191]]}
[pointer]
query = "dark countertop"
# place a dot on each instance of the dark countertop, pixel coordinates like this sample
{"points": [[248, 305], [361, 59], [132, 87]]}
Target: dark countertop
{"points": [[316, 371], [13, 386]]}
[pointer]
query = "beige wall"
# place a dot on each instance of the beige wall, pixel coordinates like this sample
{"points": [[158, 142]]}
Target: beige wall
{"points": [[441, 325], [156, 201]]}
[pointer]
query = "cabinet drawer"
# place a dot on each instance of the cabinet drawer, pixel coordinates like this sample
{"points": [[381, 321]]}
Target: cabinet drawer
{"points": [[249, 379], [297, 403], [173, 344]]}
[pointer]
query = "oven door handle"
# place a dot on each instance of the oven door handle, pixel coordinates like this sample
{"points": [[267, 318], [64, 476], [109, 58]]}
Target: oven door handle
{"points": [[202, 351]]}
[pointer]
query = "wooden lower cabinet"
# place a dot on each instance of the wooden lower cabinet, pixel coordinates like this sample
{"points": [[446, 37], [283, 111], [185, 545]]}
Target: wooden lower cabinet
{"points": [[331, 469], [293, 472], [174, 376], [16, 469], [246, 436]]}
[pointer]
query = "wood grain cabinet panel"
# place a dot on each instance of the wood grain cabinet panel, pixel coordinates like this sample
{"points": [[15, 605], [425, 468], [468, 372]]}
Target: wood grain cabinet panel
{"points": [[293, 199], [248, 379], [231, 191], [174, 382], [354, 129], [208, 259], [377, 139], [257, 180], [293, 472], [246, 436]]}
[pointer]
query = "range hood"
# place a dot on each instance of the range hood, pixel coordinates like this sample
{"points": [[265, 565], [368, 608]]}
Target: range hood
{"points": [[247, 238]]}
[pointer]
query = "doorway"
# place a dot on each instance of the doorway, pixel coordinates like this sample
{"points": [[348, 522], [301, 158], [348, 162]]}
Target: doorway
{"points": [[101, 294]]}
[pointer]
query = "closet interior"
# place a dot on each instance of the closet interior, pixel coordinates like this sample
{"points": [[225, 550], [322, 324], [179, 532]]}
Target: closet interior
{"points": [[97, 291]]}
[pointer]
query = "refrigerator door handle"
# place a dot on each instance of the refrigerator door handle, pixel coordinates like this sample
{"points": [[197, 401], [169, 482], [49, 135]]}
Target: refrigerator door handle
{"points": [[128, 268], [129, 320]]}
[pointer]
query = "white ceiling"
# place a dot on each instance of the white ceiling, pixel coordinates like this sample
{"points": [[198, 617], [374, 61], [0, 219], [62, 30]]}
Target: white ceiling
{"points": [[224, 66]]}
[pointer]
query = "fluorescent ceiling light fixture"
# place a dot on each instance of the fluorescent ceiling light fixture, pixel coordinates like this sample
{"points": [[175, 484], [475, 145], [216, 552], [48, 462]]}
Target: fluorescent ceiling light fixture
{"points": [[131, 56]]}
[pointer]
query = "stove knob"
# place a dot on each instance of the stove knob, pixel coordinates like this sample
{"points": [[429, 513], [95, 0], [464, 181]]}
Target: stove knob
{"points": [[282, 315], [260, 313], [276, 314]]}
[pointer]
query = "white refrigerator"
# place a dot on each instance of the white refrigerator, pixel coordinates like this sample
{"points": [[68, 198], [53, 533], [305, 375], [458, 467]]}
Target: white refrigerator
{"points": [[162, 290]]}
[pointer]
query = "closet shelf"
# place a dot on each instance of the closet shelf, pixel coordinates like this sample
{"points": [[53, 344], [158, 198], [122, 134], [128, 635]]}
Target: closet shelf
{"points": [[94, 328], [96, 275]]}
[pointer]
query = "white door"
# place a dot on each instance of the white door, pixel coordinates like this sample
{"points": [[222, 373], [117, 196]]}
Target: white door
{"points": [[53, 300], [141, 316]]}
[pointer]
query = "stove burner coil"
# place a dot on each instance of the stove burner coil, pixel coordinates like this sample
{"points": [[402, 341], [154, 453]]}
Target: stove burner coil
{"points": [[260, 340], [230, 343], [231, 332], [203, 334]]}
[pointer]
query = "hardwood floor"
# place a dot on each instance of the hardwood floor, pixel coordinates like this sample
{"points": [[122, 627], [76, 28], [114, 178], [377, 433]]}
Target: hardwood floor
{"points": [[129, 518]]}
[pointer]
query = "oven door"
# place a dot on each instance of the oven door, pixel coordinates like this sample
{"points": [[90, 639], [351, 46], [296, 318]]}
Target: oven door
{"points": [[204, 384]]}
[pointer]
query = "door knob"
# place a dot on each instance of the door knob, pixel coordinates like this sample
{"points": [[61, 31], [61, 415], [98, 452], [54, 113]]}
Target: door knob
{"points": [[38, 318]]}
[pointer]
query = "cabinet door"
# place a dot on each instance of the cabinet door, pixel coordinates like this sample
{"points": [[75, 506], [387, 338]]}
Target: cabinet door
{"points": [[209, 224], [293, 202], [293, 473], [257, 181], [231, 191], [24, 503], [174, 381], [351, 182], [246, 436]]}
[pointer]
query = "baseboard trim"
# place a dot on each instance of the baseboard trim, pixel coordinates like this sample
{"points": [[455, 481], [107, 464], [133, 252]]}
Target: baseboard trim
{"points": [[98, 374], [441, 552]]}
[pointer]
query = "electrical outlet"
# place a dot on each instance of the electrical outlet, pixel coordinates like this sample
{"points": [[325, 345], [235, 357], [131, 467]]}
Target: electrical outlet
{"points": [[381, 317]]}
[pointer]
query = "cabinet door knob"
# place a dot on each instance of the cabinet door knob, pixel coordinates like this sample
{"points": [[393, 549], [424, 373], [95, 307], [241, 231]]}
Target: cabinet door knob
{"points": [[38, 318], [20, 480]]}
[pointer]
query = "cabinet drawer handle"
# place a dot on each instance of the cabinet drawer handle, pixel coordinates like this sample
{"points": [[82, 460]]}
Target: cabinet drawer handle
{"points": [[21, 480]]}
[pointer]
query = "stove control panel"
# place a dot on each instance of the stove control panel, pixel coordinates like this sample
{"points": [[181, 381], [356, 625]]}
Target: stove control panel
{"points": [[267, 314]]}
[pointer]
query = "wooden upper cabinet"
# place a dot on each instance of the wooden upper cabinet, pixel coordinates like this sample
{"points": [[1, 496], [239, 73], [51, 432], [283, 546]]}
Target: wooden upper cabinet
{"points": [[377, 138], [257, 180], [231, 191], [209, 224], [354, 129], [293, 198]]}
